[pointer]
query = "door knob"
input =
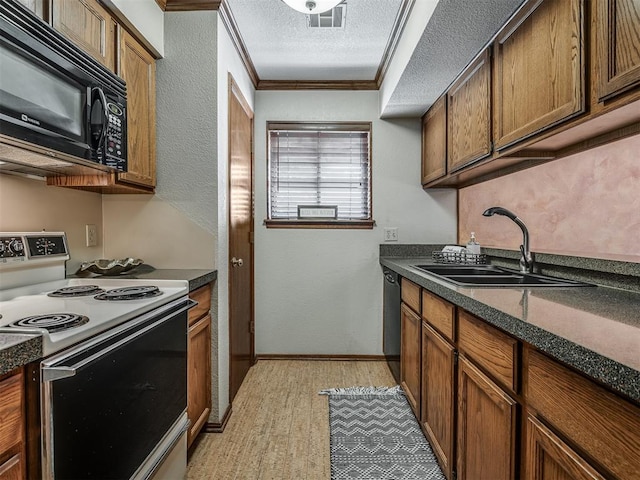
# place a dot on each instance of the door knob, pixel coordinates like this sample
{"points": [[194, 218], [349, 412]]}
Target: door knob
{"points": [[236, 262]]}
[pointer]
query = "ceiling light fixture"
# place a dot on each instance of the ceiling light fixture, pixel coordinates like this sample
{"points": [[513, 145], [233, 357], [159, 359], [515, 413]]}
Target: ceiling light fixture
{"points": [[312, 6]]}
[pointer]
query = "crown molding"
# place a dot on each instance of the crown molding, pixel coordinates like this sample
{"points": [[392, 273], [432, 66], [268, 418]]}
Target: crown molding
{"points": [[188, 5], [261, 84], [396, 32], [232, 28], [317, 85]]}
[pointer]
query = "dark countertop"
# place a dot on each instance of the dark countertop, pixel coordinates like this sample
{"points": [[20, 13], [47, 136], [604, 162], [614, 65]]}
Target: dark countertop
{"points": [[17, 350], [196, 277], [596, 330]]}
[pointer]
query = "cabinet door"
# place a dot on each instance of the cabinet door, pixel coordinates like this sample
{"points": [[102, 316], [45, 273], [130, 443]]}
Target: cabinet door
{"points": [[138, 68], [199, 376], [36, 6], [13, 469], [539, 70], [549, 458], [410, 353], [87, 24], [434, 141], [438, 380], [486, 427], [618, 46], [469, 115]]}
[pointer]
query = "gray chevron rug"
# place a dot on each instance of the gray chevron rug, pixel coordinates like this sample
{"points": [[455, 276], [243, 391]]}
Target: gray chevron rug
{"points": [[374, 435]]}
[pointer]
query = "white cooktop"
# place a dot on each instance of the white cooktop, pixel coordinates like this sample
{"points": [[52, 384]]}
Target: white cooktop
{"points": [[17, 303]]}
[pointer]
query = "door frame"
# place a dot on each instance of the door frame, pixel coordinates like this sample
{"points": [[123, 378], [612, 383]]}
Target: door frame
{"points": [[234, 91]]}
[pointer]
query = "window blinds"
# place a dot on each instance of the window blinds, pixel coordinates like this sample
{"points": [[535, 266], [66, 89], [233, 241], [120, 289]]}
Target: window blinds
{"points": [[321, 167]]}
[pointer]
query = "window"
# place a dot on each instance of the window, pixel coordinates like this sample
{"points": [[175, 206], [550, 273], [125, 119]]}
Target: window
{"points": [[319, 175]]}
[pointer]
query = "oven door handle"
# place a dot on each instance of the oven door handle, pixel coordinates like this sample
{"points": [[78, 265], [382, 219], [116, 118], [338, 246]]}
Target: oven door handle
{"points": [[51, 373]]}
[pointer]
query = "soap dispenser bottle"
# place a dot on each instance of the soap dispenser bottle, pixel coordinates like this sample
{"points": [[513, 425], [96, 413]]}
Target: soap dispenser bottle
{"points": [[473, 246]]}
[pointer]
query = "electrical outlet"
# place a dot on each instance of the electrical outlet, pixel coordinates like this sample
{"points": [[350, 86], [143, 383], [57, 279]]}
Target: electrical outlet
{"points": [[391, 234], [92, 235]]}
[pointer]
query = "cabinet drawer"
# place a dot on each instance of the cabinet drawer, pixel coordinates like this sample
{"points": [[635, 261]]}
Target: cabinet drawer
{"points": [[410, 294], [493, 350], [203, 296], [11, 432], [438, 313], [600, 423]]}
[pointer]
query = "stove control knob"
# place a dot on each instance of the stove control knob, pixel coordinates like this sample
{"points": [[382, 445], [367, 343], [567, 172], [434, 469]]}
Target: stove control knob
{"points": [[16, 247]]}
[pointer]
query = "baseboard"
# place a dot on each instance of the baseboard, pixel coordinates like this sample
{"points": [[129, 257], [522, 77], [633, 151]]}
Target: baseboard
{"points": [[218, 427], [279, 356]]}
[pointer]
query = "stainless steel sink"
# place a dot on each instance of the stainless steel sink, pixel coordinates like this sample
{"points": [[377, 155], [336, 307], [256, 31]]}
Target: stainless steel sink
{"points": [[491, 276]]}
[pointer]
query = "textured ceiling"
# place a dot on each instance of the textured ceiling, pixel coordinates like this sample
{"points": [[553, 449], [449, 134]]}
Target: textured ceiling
{"points": [[456, 32], [282, 47]]}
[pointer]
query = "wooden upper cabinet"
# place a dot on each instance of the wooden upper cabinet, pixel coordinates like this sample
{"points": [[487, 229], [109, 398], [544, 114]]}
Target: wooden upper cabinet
{"points": [[410, 353], [36, 6], [87, 24], [539, 70], [618, 46], [486, 427], [434, 141], [138, 68], [469, 115]]}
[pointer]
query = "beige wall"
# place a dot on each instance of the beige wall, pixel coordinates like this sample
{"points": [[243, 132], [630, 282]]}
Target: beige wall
{"points": [[30, 205], [585, 205], [149, 228]]}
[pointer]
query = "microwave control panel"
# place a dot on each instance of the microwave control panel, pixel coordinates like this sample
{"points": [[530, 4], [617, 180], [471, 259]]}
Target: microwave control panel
{"points": [[114, 130]]}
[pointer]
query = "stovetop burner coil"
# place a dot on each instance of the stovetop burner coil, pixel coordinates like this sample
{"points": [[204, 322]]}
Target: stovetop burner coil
{"points": [[53, 322], [77, 291], [130, 293]]}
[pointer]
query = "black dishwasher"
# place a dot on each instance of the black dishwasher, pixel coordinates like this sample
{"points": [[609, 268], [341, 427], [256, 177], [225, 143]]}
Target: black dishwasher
{"points": [[391, 322]]}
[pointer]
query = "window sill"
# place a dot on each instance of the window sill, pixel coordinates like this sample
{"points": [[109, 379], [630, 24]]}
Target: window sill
{"points": [[340, 224]]}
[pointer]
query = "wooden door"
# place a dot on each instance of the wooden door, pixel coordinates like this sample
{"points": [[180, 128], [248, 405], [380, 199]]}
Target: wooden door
{"points": [[539, 70], [438, 383], [241, 326], [138, 68], [198, 376], [89, 25], [469, 115], [486, 427], [618, 46], [410, 353], [434, 141], [549, 458]]}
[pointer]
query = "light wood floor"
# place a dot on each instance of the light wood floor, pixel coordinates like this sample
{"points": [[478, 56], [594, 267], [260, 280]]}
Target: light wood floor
{"points": [[279, 428]]}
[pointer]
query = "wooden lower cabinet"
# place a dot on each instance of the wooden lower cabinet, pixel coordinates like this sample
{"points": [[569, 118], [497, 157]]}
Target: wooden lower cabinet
{"points": [[12, 427], [438, 384], [199, 376], [410, 356], [199, 362], [549, 458], [487, 418]]}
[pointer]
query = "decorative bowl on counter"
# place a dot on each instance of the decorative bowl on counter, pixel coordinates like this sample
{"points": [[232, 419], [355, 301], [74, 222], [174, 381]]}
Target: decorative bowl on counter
{"points": [[105, 266]]}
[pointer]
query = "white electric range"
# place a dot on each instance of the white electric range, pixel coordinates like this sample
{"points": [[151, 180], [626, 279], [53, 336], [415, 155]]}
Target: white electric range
{"points": [[112, 383]]}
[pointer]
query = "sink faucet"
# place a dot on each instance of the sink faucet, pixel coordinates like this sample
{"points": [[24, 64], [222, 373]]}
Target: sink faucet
{"points": [[526, 260]]}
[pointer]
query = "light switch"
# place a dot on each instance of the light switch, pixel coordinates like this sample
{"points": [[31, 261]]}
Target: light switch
{"points": [[391, 234]]}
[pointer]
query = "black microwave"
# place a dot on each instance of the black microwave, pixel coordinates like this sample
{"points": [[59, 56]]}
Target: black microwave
{"points": [[55, 96]]}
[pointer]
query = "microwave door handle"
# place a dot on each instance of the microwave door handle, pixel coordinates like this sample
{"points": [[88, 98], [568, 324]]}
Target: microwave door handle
{"points": [[105, 116]]}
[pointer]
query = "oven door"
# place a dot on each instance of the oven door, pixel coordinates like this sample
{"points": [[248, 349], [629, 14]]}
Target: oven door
{"points": [[109, 403]]}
